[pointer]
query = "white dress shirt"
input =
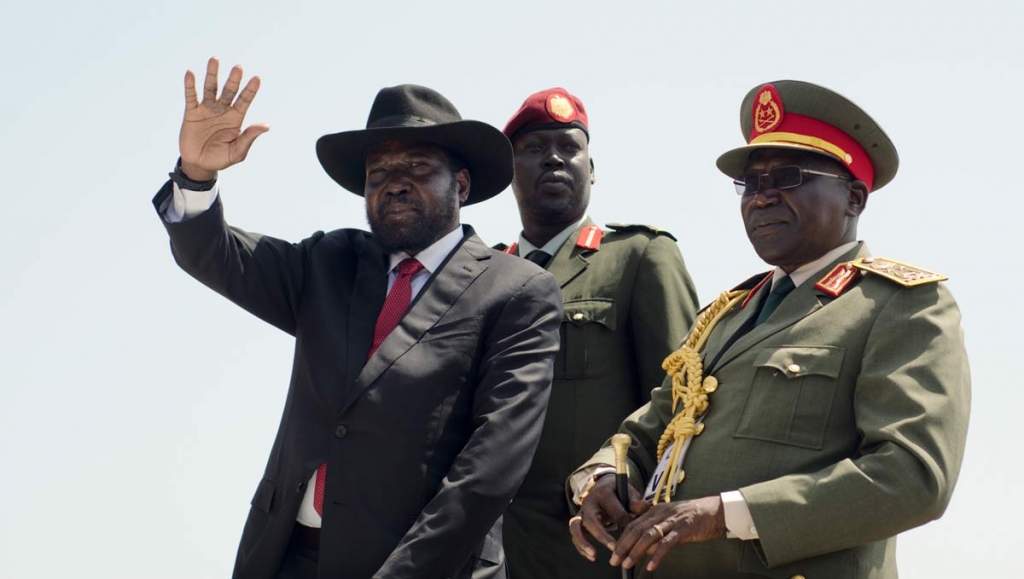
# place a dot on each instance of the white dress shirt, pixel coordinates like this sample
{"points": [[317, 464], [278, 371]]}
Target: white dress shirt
{"points": [[186, 204]]}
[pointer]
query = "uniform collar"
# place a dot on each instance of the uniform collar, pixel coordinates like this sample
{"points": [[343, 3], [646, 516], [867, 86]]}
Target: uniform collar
{"points": [[552, 246], [807, 270]]}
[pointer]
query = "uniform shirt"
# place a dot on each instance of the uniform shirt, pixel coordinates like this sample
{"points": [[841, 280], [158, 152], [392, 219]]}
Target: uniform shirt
{"points": [[738, 520], [524, 247], [186, 204]]}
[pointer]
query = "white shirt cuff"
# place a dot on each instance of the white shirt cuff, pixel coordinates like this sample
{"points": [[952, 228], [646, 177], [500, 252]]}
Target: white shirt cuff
{"points": [[185, 204], [738, 521]]}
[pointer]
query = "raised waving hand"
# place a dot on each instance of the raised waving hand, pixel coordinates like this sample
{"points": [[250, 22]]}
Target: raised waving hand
{"points": [[211, 135]]}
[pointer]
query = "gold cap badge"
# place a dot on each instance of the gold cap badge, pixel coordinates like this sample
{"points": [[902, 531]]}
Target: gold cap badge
{"points": [[561, 107], [767, 110]]}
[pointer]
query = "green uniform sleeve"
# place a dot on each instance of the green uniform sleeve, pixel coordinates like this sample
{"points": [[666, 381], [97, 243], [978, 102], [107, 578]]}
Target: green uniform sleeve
{"points": [[662, 310]]}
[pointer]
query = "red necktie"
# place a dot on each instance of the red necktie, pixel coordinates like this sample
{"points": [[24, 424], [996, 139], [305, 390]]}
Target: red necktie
{"points": [[394, 308]]}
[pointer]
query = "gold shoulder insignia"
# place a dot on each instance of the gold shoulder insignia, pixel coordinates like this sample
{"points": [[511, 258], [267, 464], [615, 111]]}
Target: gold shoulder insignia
{"points": [[627, 227], [902, 273]]}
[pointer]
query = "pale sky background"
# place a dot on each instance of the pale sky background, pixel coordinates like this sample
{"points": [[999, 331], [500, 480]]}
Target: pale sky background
{"points": [[137, 407]]}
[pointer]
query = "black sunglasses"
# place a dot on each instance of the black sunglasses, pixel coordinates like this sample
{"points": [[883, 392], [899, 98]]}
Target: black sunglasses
{"points": [[778, 178]]}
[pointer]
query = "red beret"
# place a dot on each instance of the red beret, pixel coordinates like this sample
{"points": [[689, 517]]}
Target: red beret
{"points": [[553, 108]]}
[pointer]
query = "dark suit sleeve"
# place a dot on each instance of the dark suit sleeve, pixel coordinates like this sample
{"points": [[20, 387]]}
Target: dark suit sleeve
{"points": [[508, 412], [662, 310], [262, 274]]}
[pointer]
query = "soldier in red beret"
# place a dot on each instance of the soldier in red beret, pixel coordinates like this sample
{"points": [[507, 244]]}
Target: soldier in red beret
{"points": [[628, 301]]}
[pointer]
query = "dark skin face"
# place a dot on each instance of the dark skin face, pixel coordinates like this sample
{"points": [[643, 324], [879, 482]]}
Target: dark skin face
{"points": [[412, 194], [552, 181], [791, 227]]}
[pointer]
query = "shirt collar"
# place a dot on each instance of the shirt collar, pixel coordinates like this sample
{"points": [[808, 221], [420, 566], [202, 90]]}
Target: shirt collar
{"points": [[434, 255], [553, 245], [805, 271]]}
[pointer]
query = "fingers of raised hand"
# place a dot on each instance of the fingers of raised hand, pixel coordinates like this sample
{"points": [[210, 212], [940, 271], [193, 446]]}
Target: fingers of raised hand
{"points": [[248, 94], [231, 86], [240, 149], [191, 101], [210, 83]]}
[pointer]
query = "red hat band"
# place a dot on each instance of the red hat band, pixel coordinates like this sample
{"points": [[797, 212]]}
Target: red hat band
{"points": [[773, 125]]}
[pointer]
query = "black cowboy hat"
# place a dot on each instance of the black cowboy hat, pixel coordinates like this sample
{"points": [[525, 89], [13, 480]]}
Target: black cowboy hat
{"points": [[418, 113]]}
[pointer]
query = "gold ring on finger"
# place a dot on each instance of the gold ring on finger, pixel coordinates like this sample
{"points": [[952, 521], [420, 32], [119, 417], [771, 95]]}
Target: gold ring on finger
{"points": [[660, 531]]}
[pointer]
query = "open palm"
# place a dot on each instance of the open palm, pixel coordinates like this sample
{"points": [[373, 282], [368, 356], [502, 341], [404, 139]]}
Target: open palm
{"points": [[211, 135]]}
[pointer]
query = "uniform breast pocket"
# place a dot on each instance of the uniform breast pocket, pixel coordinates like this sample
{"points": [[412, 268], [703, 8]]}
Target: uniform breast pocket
{"points": [[790, 399], [586, 324]]}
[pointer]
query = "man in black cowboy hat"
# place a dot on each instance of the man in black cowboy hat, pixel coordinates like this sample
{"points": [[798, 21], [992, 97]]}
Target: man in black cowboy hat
{"points": [[423, 358]]}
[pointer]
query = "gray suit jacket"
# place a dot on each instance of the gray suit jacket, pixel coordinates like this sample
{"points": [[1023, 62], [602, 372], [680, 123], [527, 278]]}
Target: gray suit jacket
{"points": [[428, 439]]}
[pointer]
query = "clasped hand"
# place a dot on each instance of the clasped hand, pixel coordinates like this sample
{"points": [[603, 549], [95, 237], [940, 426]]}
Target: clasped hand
{"points": [[648, 529]]}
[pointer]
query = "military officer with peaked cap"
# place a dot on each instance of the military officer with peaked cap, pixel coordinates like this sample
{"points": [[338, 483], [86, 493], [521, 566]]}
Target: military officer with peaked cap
{"points": [[628, 301], [816, 410]]}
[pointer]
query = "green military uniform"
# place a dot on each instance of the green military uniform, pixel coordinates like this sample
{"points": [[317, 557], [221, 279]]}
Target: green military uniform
{"points": [[627, 303], [841, 420], [841, 417]]}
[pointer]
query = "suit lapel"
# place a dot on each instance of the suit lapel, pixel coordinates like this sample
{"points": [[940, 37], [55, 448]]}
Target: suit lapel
{"points": [[570, 260], [367, 300], [441, 291]]}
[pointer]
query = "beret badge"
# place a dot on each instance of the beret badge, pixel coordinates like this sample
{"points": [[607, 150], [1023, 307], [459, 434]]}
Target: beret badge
{"points": [[560, 107]]}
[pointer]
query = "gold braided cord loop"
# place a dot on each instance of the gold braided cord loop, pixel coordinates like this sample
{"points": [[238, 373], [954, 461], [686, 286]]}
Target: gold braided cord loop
{"points": [[690, 387]]}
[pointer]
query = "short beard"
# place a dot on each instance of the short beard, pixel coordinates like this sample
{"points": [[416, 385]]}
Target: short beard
{"points": [[547, 214], [421, 233]]}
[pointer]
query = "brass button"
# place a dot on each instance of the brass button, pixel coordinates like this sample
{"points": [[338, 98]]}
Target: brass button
{"points": [[577, 316], [797, 577], [793, 368]]}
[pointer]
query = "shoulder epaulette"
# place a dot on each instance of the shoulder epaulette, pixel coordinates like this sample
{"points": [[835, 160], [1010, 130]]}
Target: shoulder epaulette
{"points": [[627, 227], [902, 273]]}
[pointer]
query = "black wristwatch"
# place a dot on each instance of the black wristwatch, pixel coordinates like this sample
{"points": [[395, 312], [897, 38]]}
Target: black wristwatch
{"points": [[184, 182]]}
